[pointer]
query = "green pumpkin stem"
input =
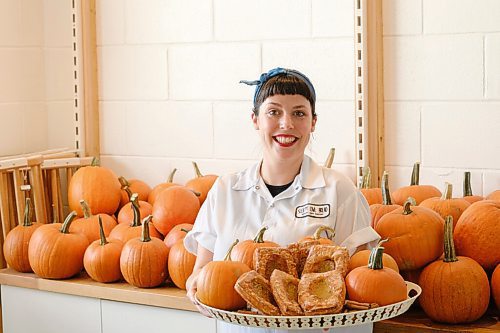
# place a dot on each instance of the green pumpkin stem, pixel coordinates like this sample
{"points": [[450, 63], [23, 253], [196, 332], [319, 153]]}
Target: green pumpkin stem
{"points": [[375, 260], [449, 246], [197, 170], [415, 174], [198, 194], [366, 178], [27, 213], [170, 178], [228, 254], [406, 208], [317, 233], [185, 230], [67, 222], [104, 241], [87, 212], [125, 186], [259, 238], [135, 208], [95, 161], [329, 159], [467, 186], [386, 194], [145, 236], [448, 191]]}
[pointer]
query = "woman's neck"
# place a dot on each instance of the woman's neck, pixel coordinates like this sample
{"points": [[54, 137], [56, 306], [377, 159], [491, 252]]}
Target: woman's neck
{"points": [[279, 172]]}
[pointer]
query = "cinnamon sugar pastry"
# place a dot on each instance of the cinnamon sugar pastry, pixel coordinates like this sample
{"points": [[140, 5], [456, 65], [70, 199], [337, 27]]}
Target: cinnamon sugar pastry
{"points": [[299, 252], [256, 290], [322, 293], [285, 291], [267, 259], [323, 258]]}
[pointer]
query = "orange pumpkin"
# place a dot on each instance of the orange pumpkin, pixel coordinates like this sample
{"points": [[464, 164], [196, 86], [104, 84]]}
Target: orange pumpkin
{"points": [[495, 286], [88, 225], [133, 186], [375, 283], [177, 232], [379, 210], [495, 196], [125, 232], [372, 195], [476, 233], [126, 213], [180, 264], [446, 205], [456, 289], [162, 186], [54, 252], [362, 258], [143, 260], [216, 280], [201, 184], [416, 235], [467, 189], [175, 205], [415, 190], [15, 246], [328, 240], [102, 258], [243, 251], [98, 186]]}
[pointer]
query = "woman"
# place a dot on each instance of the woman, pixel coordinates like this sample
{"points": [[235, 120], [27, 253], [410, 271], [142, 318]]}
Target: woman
{"points": [[286, 191]]}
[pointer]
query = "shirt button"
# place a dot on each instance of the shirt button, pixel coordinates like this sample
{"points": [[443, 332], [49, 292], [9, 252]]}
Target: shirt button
{"points": [[297, 187], [271, 205], [257, 187]]}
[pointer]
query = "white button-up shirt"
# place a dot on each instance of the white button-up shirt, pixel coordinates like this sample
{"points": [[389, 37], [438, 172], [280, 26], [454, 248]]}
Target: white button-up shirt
{"points": [[239, 205]]}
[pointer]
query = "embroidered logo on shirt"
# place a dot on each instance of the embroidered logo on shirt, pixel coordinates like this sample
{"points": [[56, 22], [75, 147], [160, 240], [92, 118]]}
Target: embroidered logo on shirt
{"points": [[313, 210]]}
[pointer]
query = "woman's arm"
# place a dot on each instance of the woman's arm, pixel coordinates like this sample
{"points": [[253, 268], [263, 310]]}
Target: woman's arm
{"points": [[203, 257]]}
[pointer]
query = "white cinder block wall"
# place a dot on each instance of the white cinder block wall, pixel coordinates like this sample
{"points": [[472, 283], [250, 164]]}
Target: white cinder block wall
{"points": [[442, 91], [36, 76], [169, 73]]}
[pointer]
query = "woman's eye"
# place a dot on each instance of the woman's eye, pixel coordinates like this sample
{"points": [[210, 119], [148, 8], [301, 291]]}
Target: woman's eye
{"points": [[300, 114], [272, 112]]}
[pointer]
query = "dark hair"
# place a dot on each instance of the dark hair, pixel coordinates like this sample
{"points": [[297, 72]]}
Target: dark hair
{"points": [[284, 84]]}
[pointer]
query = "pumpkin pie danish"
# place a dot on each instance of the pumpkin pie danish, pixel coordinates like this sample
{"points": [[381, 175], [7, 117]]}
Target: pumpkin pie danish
{"points": [[299, 252], [324, 258], [255, 289], [285, 288], [322, 293], [267, 259]]}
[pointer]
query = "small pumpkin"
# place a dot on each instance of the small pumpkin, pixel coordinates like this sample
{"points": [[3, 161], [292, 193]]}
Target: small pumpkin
{"points": [[467, 190], [102, 258], [373, 195], [54, 252], [379, 210], [143, 260], [177, 232], [243, 251], [162, 186], [98, 186], [416, 235], [446, 204], [216, 280], [328, 240], [362, 258], [201, 183], [88, 225], [415, 190], [456, 289], [180, 263], [133, 186], [495, 286], [15, 246], [125, 232], [375, 283], [495, 196], [126, 213], [476, 233]]}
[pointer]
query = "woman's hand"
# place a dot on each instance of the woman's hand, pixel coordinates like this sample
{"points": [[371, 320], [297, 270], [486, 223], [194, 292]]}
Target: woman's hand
{"points": [[203, 257]]}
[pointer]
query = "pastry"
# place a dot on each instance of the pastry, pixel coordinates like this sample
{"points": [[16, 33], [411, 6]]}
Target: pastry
{"points": [[267, 259], [323, 258], [299, 252], [255, 289], [322, 293], [285, 291]]}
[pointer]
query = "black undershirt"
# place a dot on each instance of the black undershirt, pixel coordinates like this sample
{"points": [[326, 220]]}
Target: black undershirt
{"points": [[277, 189]]}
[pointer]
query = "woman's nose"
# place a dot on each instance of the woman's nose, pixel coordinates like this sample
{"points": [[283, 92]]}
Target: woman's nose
{"points": [[286, 122]]}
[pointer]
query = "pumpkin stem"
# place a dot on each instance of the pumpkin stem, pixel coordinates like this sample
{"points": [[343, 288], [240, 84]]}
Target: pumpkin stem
{"points": [[197, 170], [27, 213], [415, 174], [87, 212], [317, 233], [467, 186], [145, 236], [228, 254], [449, 246], [104, 241], [329, 159], [386, 194], [67, 222], [185, 230], [170, 178], [366, 178], [135, 208], [407, 210], [375, 260], [259, 238], [125, 186], [448, 191], [95, 161], [195, 193]]}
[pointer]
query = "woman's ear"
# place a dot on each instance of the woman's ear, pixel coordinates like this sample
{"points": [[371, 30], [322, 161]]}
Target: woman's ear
{"points": [[255, 121], [313, 126]]}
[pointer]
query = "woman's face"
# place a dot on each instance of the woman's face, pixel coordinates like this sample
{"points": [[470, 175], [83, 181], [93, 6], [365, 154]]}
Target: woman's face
{"points": [[285, 123]]}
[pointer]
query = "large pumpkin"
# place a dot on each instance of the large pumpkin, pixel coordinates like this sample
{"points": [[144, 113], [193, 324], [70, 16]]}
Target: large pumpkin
{"points": [[415, 190], [495, 286], [88, 225], [456, 289], [180, 264], [446, 204], [362, 258], [243, 251], [477, 233], [374, 283], [162, 186], [379, 210], [467, 190], [15, 246], [216, 280], [201, 184], [98, 186], [143, 260], [416, 235], [102, 258], [54, 252]]}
